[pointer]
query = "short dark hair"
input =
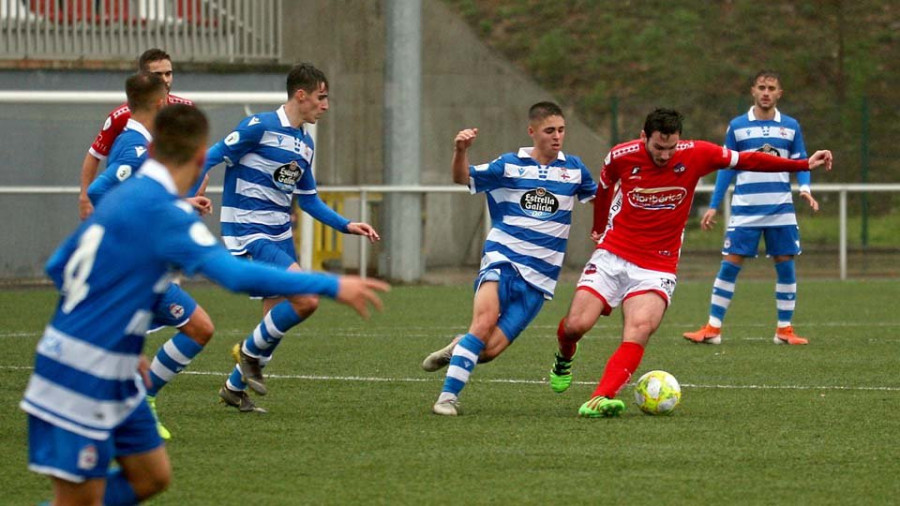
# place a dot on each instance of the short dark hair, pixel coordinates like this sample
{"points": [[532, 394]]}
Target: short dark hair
{"points": [[305, 77], [543, 110], [664, 121], [179, 131], [768, 74], [143, 89], [151, 55]]}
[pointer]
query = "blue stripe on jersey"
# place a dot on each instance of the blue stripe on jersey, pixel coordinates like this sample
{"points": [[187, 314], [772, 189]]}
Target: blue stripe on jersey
{"points": [[768, 187], [762, 210], [258, 177], [536, 238], [554, 187], [255, 204], [545, 268], [231, 229], [82, 382]]}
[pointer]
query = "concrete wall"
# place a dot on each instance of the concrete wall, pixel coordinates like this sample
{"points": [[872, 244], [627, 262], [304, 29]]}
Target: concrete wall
{"points": [[465, 84]]}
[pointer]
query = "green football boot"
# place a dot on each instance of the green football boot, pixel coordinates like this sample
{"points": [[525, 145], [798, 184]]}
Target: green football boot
{"points": [[561, 374], [163, 431], [601, 406]]}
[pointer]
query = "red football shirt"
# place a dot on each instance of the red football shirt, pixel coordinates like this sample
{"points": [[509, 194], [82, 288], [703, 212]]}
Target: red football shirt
{"points": [[114, 125], [643, 221]]}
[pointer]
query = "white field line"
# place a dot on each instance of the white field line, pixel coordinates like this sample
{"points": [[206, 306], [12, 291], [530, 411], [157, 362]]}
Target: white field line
{"points": [[448, 331], [434, 379]]}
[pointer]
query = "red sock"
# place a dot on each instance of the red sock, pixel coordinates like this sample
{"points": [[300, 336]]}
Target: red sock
{"points": [[566, 344], [618, 370]]}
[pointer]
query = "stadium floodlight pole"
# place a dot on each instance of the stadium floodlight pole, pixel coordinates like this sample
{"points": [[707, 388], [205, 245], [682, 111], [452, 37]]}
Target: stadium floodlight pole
{"points": [[402, 121]]}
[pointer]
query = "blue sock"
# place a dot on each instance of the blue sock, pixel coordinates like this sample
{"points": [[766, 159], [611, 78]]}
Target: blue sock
{"points": [[234, 381], [118, 490], [266, 336], [462, 362], [785, 292], [171, 358], [722, 293]]}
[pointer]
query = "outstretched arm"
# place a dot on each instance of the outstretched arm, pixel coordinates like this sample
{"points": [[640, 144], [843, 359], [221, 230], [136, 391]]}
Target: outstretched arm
{"points": [[460, 163], [240, 276]]}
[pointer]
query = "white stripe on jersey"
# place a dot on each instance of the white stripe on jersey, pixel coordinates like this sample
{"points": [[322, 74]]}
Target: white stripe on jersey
{"points": [[237, 243], [526, 248], [269, 218], [761, 199], [287, 143], [256, 191], [260, 163], [745, 177], [85, 357], [774, 220], [535, 171], [534, 277], [757, 132], [550, 228], [566, 202], [44, 398]]}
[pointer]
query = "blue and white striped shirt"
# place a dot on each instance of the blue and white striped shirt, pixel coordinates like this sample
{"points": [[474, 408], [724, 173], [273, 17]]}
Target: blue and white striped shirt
{"points": [[268, 162], [129, 152], [762, 199], [110, 272], [531, 212]]}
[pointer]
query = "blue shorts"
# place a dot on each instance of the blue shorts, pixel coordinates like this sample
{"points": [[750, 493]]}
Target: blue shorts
{"points": [[72, 457], [279, 254], [744, 241], [519, 301], [173, 308]]}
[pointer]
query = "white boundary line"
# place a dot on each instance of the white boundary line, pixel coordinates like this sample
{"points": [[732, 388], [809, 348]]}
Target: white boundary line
{"points": [[434, 379]]}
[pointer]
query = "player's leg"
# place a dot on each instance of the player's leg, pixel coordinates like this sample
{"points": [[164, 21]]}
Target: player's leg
{"points": [[782, 244], [465, 354], [642, 315], [67, 493], [740, 243], [591, 301], [279, 316], [176, 308], [144, 469]]}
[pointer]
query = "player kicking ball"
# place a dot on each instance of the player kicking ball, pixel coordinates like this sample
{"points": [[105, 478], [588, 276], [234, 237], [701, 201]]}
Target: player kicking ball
{"points": [[642, 206]]}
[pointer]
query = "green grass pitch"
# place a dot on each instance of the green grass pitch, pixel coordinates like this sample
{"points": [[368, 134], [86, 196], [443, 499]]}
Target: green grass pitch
{"points": [[350, 420]]}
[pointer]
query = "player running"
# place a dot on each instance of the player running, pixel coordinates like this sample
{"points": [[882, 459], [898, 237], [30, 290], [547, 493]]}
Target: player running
{"points": [[531, 195], [268, 158], [155, 61], [85, 400], [146, 94], [639, 226]]}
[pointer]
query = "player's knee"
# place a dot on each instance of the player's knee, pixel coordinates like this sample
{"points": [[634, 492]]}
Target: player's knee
{"points": [[200, 328], [305, 306], [577, 325], [153, 481]]}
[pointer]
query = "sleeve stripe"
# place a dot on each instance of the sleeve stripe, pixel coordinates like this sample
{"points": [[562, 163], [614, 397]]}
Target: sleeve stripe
{"points": [[734, 159]]}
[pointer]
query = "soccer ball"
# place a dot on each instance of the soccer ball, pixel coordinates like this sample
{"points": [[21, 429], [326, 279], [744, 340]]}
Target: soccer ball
{"points": [[657, 393]]}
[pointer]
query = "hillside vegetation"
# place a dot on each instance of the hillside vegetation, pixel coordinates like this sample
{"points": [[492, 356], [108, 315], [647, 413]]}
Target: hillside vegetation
{"points": [[613, 61]]}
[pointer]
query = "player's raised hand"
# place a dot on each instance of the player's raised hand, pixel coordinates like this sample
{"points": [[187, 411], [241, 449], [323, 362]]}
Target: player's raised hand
{"points": [[364, 229], [465, 138], [708, 220], [819, 158], [358, 293]]}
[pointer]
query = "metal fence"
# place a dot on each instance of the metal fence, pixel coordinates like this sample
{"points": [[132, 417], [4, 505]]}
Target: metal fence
{"points": [[195, 30]]}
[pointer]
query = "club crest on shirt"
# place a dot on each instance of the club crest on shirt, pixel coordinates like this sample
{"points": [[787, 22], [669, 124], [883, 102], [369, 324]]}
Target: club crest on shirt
{"points": [[286, 176], [656, 199], [539, 203], [768, 149], [679, 168]]}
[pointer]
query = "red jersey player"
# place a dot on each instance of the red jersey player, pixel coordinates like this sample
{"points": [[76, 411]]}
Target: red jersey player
{"points": [[639, 227], [155, 61]]}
